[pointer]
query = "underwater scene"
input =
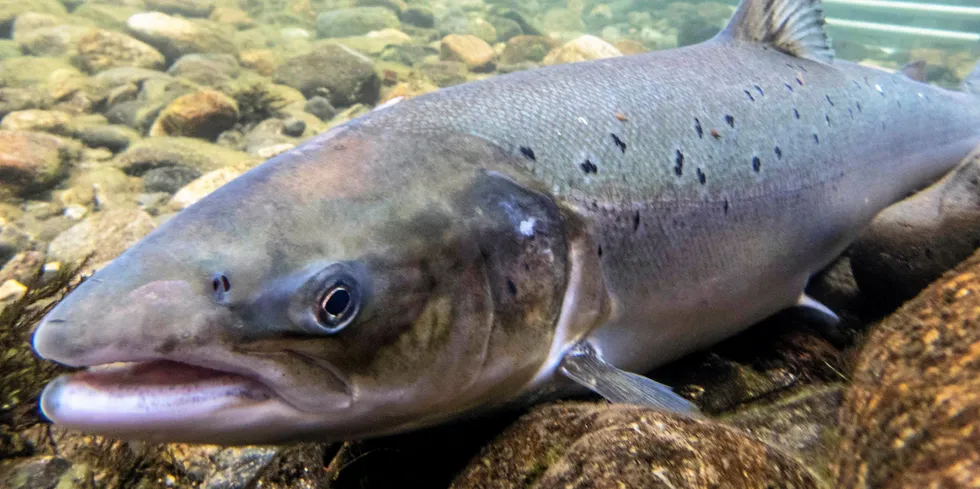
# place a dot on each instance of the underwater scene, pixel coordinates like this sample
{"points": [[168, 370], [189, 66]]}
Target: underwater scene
{"points": [[549, 244]]}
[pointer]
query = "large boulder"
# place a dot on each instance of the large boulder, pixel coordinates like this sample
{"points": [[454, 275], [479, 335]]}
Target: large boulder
{"points": [[343, 75], [911, 418]]}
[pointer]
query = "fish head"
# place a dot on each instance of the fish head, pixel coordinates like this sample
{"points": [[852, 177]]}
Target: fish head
{"points": [[363, 284]]}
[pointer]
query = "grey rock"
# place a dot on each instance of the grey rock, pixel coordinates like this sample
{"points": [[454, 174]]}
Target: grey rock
{"points": [[33, 473], [175, 36], [408, 54], [169, 179], [111, 136], [266, 136], [320, 107], [183, 152], [911, 243], [418, 16], [16, 99], [293, 127], [355, 21], [206, 69], [107, 16], [100, 49], [9, 49], [238, 468], [32, 162], [102, 235], [506, 28], [12, 240], [343, 75], [11, 9], [445, 73]]}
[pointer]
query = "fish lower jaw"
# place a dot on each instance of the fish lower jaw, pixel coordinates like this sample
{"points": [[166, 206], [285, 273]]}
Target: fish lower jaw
{"points": [[135, 397]]}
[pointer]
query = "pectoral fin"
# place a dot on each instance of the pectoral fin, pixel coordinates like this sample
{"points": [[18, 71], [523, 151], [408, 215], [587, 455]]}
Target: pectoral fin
{"points": [[826, 315], [583, 365]]}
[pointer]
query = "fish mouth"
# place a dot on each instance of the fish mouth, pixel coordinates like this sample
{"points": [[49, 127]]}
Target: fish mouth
{"points": [[147, 393]]}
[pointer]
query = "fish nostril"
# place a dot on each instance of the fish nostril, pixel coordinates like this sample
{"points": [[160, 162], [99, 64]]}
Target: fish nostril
{"points": [[220, 286]]}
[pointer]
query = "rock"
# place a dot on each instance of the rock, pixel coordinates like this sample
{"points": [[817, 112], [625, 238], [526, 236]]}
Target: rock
{"points": [[203, 114], [186, 152], [239, 467], [36, 472], [506, 28], [472, 51], [58, 40], [520, 49], [269, 138], [9, 49], [15, 99], [187, 8], [112, 136], [33, 72], [13, 240], [198, 189], [293, 127], [112, 17], [99, 50], [232, 16], [584, 48], [629, 46], [562, 20], [175, 37], [29, 22], [419, 16], [347, 76], [102, 235], [694, 31], [579, 445], [11, 291], [354, 21], [32, 161], [52, 121], [262, 61], [911, 243], [320, 107], [375, 42], [445, 73], [169, 179], [911, 418], [11, 9], [206, 69], [409, 54], [22, 267]]}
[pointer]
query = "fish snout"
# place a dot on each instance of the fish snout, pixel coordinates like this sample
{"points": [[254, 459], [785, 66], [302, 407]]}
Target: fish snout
{"points": [[96, 325]]}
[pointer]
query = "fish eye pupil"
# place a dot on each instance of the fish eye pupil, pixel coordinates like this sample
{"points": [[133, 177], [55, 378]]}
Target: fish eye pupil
{"points": [[336, 304]]}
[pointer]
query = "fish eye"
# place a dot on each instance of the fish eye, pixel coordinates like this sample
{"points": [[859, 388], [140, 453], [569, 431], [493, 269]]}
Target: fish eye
{"points": [[337, 306]]}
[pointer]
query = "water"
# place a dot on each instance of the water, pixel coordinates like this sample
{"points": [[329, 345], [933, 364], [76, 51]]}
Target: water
{"points": [[113, 119]]}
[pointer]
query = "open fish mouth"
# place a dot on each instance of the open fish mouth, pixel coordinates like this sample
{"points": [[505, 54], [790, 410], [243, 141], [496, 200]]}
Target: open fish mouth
{"points": [[147, 393]]}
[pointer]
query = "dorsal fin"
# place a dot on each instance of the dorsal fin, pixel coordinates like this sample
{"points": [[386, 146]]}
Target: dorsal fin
{"points": [[795, 27], [971, 84], [915, 70]]}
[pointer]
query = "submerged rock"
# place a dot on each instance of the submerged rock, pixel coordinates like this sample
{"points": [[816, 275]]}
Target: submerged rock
{"points": [[521, 49], [51, 121], [206, 69], [100, 50], [187, 152], [337, 72], [33, 161], [911, 243], [911, 418], [202, 186], [187, 8], [175, 36], [203, 114], [579, 445], [11, 9], [102, 235], [472, 51], [583, 48], [355, 21]]}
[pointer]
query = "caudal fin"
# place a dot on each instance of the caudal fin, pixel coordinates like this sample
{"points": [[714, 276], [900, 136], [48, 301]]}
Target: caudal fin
{"points": [[971, 84]]}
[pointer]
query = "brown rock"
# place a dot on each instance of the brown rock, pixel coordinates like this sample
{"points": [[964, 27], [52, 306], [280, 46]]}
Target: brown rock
{"points": [[204, 114], [263, 61], [911, 418], [22, 267], [33, 161], [629, 46], [471, 50], [232, 16], [100, 50], [520, 49], [579, 445], [584, 48]]}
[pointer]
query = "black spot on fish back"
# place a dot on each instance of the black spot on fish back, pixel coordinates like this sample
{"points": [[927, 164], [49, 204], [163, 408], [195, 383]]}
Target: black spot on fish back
{"points": [[796, 113], [589, 167], [702, 178], [619, 143], [528, 153], [679, 163], [749, 95], [779, 153], [730, 121], [636, 221], [759, 89], [698, 129], [512, 287], [756, 164]]}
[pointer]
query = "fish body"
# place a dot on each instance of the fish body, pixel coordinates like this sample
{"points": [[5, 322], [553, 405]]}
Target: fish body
{"points": [[443, 255]]}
